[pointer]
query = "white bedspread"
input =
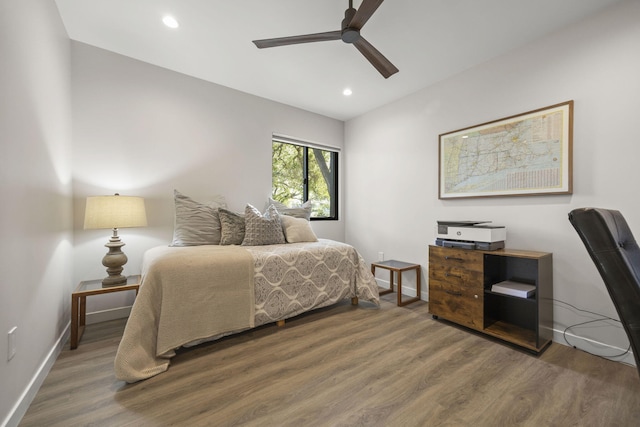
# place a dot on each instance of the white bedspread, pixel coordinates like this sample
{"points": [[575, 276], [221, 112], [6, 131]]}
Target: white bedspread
{"points": [[297, 277]]}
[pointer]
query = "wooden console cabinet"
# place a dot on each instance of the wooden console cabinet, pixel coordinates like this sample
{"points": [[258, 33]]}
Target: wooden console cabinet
{"points": [[460, 282]]}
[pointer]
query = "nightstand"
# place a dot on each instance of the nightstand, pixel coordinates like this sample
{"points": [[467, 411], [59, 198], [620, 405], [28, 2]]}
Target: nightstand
{"points": [[79, 303], [398, 267]]}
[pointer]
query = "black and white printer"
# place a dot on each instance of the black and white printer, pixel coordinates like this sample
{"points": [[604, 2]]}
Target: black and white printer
{"points": [[471, 235]]}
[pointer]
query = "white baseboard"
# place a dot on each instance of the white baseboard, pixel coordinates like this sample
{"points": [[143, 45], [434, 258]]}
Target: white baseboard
{"points": [[595, 347], [21, 406], [406, 290], [106, 315]]}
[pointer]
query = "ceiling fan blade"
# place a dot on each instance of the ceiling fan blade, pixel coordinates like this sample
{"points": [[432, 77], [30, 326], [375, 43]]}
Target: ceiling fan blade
{"points": [[378, 60], [366, 9], [307, 38]]}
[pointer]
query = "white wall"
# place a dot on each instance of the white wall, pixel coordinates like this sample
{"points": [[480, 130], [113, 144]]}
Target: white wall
{"points": [[35, 189], [143, 130], [392, 201]]}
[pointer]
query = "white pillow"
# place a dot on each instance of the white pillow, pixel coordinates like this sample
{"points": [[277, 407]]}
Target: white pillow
{"points": [[297, 230], [302, 211]]}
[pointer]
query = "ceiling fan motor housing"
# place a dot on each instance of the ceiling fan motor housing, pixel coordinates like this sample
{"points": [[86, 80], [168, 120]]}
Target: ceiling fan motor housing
{"points": [[349, 34]]}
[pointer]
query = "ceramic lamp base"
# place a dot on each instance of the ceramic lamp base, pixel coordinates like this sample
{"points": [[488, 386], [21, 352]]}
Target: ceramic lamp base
{"points": [[114, 261]]}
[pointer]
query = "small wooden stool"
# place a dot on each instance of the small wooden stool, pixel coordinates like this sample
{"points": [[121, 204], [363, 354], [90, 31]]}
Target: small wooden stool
{"points": [[398, 267]]}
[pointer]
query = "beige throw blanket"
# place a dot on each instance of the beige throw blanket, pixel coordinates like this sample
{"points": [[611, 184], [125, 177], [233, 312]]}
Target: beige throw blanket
{"points": [[187, 294]]}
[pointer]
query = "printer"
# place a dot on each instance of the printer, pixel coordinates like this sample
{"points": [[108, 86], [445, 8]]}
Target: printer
{"points": [[471, 235]]}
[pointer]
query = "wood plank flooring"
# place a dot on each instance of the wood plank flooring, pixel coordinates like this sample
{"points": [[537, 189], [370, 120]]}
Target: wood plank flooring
{"points": [[342, 366]]}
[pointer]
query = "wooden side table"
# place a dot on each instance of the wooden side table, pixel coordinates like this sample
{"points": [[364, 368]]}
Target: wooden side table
{"points": [[398, 267], [79, 303]]}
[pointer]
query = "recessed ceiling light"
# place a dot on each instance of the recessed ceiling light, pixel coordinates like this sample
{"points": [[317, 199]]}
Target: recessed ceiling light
{"points": [[347, 92], [170, 21]]}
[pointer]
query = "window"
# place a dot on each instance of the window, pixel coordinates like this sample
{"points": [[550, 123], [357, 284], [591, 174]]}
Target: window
{"points": [[305, 172]]}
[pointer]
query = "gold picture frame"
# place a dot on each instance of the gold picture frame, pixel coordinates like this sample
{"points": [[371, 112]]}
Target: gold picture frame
{"points": [[529, 154]]}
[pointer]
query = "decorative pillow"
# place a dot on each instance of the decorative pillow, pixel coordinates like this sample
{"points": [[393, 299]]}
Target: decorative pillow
{"points": [[297, 230], [302, 211], [233, 226], [196, 223], [262, 229]]}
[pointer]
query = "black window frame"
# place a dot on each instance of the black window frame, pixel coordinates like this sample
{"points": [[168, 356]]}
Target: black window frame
{"points": [[334, 185]]}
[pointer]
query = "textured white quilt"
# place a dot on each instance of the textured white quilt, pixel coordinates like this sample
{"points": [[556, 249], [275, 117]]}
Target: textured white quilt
{"points": [[193, 293]]}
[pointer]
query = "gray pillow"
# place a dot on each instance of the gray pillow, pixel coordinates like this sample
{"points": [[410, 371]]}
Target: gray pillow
{"points": [[232, 227], [302, 211], [262, 229], [195, 223]]}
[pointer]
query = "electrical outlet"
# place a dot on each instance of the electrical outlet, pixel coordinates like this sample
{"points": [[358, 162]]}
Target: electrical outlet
{"points": [[11, 348], [380, 256]]}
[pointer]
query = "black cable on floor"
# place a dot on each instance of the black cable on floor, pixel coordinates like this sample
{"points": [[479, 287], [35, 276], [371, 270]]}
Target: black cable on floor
{"points": [[602, 318]]}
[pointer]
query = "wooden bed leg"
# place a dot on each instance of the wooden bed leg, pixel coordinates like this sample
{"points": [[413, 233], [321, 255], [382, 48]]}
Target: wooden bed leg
{"points": [[354, 301], [280, 323]]}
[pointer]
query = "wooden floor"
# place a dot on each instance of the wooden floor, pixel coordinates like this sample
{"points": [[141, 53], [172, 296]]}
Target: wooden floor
{"points": [[342, 366]]}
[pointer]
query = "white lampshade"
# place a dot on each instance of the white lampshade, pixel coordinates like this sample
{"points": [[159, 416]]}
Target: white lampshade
{"points": [[114, 212]]}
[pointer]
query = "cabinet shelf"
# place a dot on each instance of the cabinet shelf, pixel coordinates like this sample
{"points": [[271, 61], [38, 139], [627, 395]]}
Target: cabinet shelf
{"points": [[512, 333], [531, 299]]}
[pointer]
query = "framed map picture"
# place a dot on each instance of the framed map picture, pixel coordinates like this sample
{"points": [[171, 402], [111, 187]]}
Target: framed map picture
{"points": [[524, 155]]}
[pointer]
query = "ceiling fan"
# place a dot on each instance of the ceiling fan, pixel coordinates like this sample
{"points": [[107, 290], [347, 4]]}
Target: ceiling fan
{"points": [[352, 23]]}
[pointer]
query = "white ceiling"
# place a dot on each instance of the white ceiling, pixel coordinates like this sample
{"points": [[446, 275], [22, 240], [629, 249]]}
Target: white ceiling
{"points": [[428, 40]]}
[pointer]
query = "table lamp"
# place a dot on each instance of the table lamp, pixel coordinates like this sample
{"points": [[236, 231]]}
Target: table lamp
{"points": [[114, 212]]}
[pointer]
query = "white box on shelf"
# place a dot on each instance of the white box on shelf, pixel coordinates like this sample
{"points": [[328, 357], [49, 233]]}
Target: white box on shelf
{"points": [[516, 289]]}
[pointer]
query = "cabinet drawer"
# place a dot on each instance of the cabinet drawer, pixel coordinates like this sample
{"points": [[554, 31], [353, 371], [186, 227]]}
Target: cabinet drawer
{"points": [[457, 305], [456, 275], [472, 292], [452, 257]]}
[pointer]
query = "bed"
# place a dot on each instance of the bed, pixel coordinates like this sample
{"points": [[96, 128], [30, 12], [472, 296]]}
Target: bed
{"points": [[197, 293]]}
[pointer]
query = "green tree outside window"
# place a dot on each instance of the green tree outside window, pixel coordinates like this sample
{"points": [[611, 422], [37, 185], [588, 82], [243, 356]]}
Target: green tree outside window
{"points": [[301, 173]]}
